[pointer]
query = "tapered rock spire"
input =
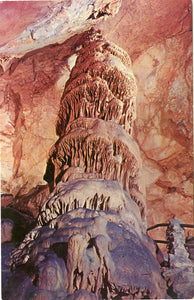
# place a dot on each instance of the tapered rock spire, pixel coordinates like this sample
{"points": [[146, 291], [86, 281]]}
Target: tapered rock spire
{"points": [[90, 240]]}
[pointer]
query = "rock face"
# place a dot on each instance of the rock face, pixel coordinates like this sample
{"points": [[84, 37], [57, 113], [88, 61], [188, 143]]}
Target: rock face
{"points": [[60, 21], [161, 50], [84, 92], [101, 85], [164, 128], [91, 232], [98, 149], [180, 275], [6, 230], [90, 250]]}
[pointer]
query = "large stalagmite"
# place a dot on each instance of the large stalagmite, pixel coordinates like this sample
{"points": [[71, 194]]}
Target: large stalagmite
{"points": [[90, 240], [158, 37]]}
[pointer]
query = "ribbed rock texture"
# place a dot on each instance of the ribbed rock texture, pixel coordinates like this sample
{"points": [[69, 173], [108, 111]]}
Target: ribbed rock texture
{"points": [[84, 94], [98, 149], [88, 250], [158, 38], [91, 231], [101, 85]]}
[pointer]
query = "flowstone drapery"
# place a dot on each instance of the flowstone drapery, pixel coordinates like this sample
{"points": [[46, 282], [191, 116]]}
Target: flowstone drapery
{"points": [[90, 241]]}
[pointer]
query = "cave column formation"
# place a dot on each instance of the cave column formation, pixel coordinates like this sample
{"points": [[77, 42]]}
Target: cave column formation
{"points": [[91, 238], [95, 122]]}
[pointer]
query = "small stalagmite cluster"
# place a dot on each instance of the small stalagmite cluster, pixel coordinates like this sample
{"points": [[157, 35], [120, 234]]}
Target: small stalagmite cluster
{"points": [[90, 240]]}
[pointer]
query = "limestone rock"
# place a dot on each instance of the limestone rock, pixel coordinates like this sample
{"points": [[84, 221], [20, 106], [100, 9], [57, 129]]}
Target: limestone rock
{"points": [[32, 202], [28, 131], [139, 25], [161, 50], [163, 128], [73, 253], [6, 261], [98, 149], [6, 199], [6, 230], [158, 38], [80, 250], [82, 294], [180, 275], [101, 85], [91, 231], [104, 195], [62, 20], [16, 226]]}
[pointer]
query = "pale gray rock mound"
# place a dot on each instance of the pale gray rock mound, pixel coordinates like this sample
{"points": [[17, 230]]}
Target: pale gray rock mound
{"points": [[91, 250], [179, 276], [94, 194]]}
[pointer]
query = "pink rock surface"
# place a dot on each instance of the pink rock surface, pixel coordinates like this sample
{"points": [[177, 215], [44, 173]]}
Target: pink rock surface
{"points": [[158, 37]]}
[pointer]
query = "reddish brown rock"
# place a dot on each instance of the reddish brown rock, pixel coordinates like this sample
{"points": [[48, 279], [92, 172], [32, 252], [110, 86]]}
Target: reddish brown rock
{"points": [[164, 128], [158, 37], [18, 15], [25, 102], [139, 24], [7, 199], [91, 231], [54, 22], [32, 202], [101, 85]]}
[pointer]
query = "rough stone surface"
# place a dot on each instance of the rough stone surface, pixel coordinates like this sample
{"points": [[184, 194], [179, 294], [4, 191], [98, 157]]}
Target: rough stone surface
{"points": [[28, 131], [60, 21], [101, 85], [6, 230], [91, 231], [14, 225], [32, 202], [161, 50], [180, 275], [33, 89], [141, 24], [158, 38], [95, 148], [6, 261], [90, 250], [164, 128], [105, 195]]}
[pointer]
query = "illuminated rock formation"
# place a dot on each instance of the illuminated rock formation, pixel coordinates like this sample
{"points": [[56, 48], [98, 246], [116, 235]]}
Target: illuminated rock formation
{"points": [[160, 47], [92, 250], [101, 85], [91, 232], [60, 21], [103, 178]]}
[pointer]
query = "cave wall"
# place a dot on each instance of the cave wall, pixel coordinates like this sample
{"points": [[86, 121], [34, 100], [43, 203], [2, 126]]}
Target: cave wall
{"points": [[157, 36]]}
